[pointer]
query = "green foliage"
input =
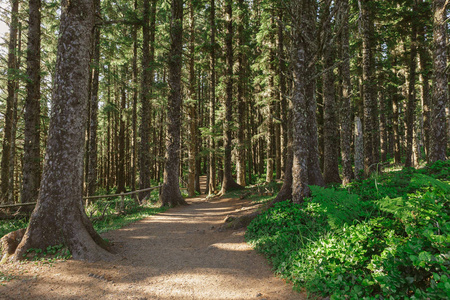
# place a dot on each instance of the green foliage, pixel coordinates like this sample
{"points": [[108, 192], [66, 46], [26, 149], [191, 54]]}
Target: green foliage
{"points": [[7, 226], [389, 238], [51, 253]]}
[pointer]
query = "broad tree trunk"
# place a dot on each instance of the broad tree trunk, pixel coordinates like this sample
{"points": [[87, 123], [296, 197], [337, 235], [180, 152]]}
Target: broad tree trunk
{"points": [[303, 101], [440, 86], [9, 113], [59, 216], [170, 191], [228, 182]]}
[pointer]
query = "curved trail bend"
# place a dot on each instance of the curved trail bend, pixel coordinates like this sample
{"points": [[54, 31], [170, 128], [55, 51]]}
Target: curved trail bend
{"points": [[178, 254]]}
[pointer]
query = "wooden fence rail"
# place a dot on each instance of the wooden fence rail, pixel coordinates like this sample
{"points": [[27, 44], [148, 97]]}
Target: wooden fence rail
{"points": [[121, 195]]}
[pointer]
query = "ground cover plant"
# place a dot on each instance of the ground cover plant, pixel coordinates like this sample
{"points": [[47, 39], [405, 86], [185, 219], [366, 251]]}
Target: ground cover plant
{"points": [[105, 214], [387, 237]]}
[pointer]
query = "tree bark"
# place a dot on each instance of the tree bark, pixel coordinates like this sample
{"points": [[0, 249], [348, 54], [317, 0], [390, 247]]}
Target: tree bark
{"points": [[31, 154], [425, 91], [134, 109], [440, 86], [411, 107], [122, 161], [59, 216], [170, 191], [192, 111], [228, 182], [240, 166], [368, 88], [330, 128], [212, 103], [11, 91], [93, 110], [305, 168], [345, 116], [148, 34]]}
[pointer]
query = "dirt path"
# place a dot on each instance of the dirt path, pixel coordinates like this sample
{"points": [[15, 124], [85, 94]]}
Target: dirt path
{"points": [[178, 254]]}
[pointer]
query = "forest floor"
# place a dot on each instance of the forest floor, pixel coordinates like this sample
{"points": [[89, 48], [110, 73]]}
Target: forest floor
{"points": [[178, 254]]}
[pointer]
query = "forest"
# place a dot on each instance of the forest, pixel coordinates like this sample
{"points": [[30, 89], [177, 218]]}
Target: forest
{"points": [[338, 108]]}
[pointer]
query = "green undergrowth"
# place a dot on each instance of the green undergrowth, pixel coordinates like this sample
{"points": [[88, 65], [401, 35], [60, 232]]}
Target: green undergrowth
{"points": [[105, 215], [387, 237]]}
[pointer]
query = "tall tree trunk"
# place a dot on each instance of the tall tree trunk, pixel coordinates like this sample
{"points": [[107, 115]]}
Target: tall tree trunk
{"points": [[368, 88], [396, 130], [148, 34], [122, 161], [304, 139], [345, 116], [93, 110], [134, 109], [440, 86], [59, 216], [330, 130], [11, 91], [240, 166], [411, 107], [31, 154], [359, 148], [192, 111], [212, 103], [285, 192], [228, 182], [12, 154], [425, 62], [170, 191]]}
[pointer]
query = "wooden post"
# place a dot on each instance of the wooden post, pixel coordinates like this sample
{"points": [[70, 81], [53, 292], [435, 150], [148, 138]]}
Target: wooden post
{"points": [[122, 201]]}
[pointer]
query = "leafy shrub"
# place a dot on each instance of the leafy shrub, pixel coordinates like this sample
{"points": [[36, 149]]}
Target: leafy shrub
{"points": [[387, 237]]}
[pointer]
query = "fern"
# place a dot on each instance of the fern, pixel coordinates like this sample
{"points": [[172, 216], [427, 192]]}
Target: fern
{"points": [[424, 180], [340, 207]]}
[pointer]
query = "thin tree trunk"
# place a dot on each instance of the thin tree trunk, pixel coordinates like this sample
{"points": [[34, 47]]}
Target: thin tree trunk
{"points": [[368, 88], [359, 148], [240, 166], [134, 109], [192, 112], [31, 154], [122, 161], [425, 95], [93, 111], [411, 107], [330, 130], [148, 33], [212, 103], [228, 182], [395, 127], [8, 115]]}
